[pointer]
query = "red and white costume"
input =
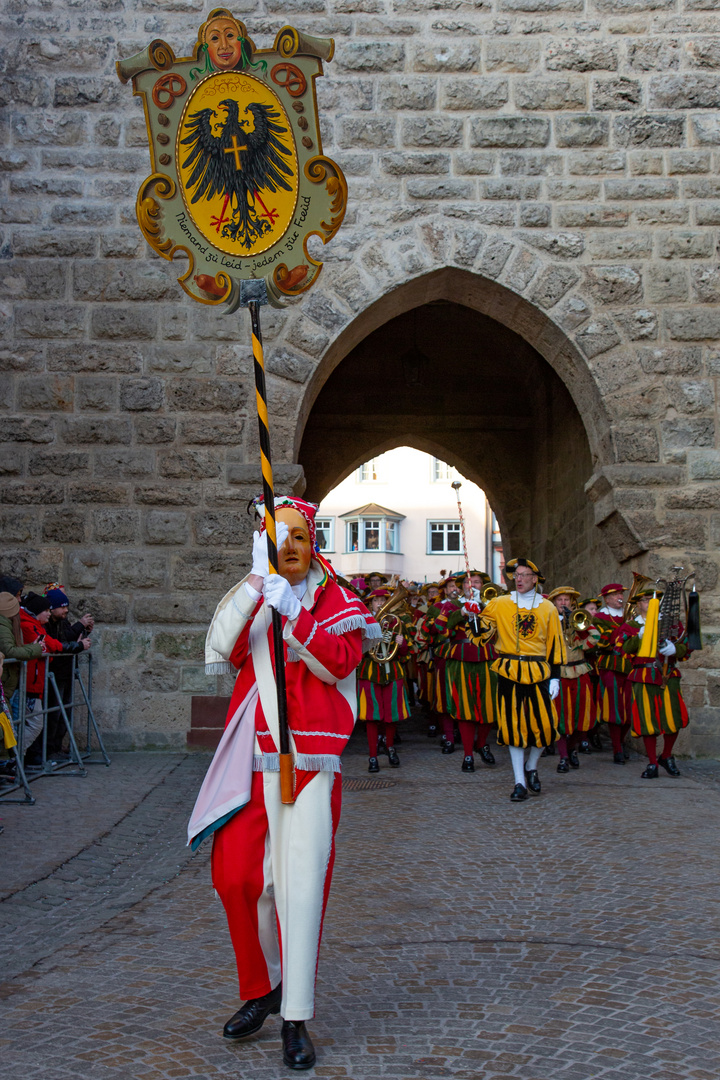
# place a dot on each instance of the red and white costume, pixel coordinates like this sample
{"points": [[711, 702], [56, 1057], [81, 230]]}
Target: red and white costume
{"points": [[272, 863]]}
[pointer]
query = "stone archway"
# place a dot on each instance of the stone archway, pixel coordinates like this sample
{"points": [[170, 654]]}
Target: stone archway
{"points": [[457, 364]]}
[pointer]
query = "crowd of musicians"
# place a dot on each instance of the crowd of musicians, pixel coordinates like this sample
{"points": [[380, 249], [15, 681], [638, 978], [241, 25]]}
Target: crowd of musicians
{"points": [[543, 671]]}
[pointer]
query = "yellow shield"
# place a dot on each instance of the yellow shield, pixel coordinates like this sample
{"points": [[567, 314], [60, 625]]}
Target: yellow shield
{"points": [[237, 163]]}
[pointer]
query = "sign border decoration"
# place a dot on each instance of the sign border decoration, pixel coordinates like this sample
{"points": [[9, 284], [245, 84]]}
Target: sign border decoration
{"points": [[166, 84]]}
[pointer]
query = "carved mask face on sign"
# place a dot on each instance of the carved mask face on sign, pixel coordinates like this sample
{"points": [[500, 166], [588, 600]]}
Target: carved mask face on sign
{"points": [[222, 37]]}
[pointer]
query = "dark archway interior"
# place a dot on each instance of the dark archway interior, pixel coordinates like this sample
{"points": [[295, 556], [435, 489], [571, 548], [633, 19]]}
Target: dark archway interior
{"points": [[454, 382]]}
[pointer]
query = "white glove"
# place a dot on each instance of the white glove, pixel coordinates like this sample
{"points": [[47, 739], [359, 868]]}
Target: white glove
{"points": [[554, 688], [279, 594], [260, 564], [668, 648]]}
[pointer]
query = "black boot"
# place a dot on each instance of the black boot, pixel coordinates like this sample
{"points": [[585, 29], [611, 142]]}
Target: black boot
{"points": [[668, 764], [519, 793], [651, 773], [298, 1050], [487, 755], [448, 747], [432, 731], [563, 765], [393, 756], [251, 1017], [573, 759], [585, 747], [382, 745], [532, 781], [468, 764], [374, 765]]}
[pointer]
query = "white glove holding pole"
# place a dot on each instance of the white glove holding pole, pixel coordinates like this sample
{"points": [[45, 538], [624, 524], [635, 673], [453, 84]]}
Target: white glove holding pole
{"points": [[278, 594], [668, 648], [260, 561], [554, 688]]}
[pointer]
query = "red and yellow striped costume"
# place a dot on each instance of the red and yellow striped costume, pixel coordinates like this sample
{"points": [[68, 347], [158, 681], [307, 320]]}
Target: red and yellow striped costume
{"points": [[613, 668], [575, 704], [381, 689], [654, 709], [470, 684]]}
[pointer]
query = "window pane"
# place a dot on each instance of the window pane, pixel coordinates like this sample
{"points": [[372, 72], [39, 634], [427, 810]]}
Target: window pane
{"points": [[372, 535], [437, 541], [453, 541], [323, 531], [352, 536], [390, 536]]}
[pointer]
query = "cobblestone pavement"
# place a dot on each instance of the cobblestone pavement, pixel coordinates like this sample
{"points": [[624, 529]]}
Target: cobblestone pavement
{"points": [[573, 936]]}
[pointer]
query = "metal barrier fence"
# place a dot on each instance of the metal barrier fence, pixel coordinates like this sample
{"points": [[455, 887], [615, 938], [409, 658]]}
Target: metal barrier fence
{"points": [[74, 710]]}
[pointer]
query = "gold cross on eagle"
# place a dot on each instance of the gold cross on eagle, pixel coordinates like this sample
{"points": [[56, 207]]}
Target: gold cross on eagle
{"points": [[235, 149]]}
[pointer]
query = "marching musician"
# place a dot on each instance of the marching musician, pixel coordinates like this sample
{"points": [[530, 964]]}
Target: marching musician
{"points": [[657, 706], [429, 593], [613, 668], [381, 689], [470, 682], [446, 604], [591, 604], [575, 704], [531, 650], [272, 862]]}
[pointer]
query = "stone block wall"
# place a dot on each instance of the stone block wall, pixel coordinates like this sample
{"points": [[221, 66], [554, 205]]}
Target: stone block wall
{"points": [[561, 155]]}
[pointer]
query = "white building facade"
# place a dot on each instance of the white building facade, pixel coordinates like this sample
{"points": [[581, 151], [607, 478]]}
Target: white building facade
{"points": [[398, 514]]}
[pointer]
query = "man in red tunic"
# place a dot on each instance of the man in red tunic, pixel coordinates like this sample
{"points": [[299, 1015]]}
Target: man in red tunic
{"points": [[271, 862]]}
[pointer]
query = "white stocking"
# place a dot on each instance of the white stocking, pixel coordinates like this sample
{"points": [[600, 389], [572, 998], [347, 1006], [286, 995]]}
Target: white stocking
{"points": [[517, 757], [533, 758]]}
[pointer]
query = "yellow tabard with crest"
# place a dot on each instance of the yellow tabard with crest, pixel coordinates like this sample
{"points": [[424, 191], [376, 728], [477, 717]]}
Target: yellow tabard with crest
{"points": [[530, 640]]}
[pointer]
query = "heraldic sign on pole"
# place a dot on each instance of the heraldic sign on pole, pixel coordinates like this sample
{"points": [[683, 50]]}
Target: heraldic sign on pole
{"points": [[239, 184]]}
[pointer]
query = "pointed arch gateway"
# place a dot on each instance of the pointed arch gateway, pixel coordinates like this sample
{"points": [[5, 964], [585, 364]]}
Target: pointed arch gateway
{"points": [[460, 366]]}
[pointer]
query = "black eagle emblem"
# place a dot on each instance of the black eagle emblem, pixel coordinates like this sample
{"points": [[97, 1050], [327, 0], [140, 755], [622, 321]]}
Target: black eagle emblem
{"points": [[525, 624], [237, 164]]}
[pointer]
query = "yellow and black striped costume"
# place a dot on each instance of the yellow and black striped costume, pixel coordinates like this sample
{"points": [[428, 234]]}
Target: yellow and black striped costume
{"points": [[531, 650]]}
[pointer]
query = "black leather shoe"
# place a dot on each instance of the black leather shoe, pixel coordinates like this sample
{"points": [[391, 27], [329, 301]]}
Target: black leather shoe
{"points": [[563, 765], [382, 745], [468, 764], [393, 756], [448, 748], [298, 1050], [374, 765], [519, 794], [595, 740], [487, 755], [651, 773], [432, 731], [668, 764], [251, 1017], [619, 759], [585, 747], [574, 760], [532, 781], [457, 736]]}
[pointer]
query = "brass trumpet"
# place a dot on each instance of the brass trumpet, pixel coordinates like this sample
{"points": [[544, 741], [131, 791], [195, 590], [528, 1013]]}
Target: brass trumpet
{"points": [[489, 592], [386, 648], [640, 582], [574, 622]]}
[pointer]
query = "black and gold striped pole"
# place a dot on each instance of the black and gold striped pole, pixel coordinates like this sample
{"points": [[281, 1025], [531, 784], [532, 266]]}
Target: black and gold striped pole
{"points": [[255, 295]]}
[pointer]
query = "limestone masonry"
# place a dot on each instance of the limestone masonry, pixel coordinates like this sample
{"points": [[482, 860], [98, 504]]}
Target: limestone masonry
{"points": [[534, 209]]}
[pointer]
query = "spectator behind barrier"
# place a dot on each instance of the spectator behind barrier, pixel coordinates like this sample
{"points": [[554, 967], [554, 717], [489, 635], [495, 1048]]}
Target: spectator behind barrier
{"points": [[59, 627], [34, 614], [12, 646]]}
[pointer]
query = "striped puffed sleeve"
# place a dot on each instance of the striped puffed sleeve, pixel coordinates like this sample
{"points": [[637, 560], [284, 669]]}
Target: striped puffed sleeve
{"points": [[556, 652]]}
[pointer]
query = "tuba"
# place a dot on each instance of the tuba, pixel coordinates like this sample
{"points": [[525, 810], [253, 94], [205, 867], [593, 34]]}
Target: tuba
{"points": [[640, 582], [386, 648]]}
